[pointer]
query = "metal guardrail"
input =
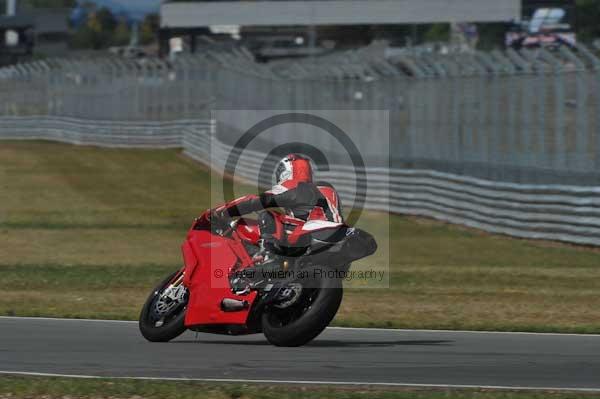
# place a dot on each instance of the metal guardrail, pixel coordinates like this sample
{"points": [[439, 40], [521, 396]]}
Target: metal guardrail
{"points": [[99, 133], [553, 212]]}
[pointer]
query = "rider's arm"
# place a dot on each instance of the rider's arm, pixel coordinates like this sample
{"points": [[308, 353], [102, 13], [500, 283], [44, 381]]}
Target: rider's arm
{"points": [[303, 194], [241, 206]]}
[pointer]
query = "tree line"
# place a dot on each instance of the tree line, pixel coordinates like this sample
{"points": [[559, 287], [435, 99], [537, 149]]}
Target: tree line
{"points": [[101, 28]]}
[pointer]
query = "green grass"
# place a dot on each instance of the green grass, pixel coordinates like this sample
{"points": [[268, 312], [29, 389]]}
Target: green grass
{"points": [[87, 232], [59, 388]]}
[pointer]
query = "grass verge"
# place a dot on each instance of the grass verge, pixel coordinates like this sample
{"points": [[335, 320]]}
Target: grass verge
{"points": [[60, 388], [87, 232]]}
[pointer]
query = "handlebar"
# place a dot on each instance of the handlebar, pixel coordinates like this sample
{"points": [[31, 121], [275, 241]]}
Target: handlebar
{"points": [[222, 227]]}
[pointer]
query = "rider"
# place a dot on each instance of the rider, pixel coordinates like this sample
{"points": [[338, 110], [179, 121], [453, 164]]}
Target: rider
{"points": [[316, 206]]}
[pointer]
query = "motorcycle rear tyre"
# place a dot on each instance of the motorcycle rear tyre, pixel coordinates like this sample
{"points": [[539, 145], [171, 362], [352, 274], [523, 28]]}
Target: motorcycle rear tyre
{"points": [[312, 323]]}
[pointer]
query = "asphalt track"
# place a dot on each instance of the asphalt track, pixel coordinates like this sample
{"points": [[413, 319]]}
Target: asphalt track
{"points": [[338, 356]]}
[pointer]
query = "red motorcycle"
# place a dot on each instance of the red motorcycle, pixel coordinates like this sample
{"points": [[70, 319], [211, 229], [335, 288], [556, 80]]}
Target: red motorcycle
{"points": [[291, 306]]}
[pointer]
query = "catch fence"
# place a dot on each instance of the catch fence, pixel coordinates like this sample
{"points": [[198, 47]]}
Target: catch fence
{"points": [[503, 141]]}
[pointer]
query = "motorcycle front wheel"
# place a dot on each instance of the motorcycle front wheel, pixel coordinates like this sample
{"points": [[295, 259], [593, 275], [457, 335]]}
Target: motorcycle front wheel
{"points": [[162, 318], [300, 323]]}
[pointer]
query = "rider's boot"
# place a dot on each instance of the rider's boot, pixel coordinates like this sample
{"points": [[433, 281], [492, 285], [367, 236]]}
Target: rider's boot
{"points": [[268, 266]]}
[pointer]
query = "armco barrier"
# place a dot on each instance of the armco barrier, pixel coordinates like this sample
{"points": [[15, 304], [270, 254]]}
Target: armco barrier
{"points": [[554, 212], [100, 133]]}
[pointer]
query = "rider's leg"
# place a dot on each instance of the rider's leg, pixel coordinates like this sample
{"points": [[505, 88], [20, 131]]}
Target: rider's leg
{"points": [[268, 260], [271, 232], [333, 248]]}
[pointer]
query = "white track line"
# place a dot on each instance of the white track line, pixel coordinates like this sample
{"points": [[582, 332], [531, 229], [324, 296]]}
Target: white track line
{"points": [[465, 331], [329, 328], [307, 382], [66, 319]]}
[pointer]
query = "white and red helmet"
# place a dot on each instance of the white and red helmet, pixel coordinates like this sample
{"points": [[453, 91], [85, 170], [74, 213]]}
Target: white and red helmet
{"points": [[293, 168]]}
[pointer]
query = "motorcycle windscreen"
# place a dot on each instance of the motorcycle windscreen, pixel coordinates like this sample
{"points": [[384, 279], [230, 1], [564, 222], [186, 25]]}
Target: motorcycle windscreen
{"points": [[209, 261]]}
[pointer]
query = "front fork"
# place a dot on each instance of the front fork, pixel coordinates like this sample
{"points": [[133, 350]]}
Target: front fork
{"points": [[170, 298]]}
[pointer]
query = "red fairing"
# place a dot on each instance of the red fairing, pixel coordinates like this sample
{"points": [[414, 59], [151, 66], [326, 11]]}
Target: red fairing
{"points": [[209, 259], [190, 262], [248, 230]]}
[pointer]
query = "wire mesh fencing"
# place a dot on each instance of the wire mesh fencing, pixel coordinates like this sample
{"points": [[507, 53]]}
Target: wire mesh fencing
{"points": [[530, 116]]}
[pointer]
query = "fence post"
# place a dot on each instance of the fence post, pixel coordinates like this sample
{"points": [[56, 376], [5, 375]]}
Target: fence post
{"points": [[414, 117], [511, 101], [494, 136], [482, 152], [527, 88], [583, 159], [454, 132], [559, 156]]}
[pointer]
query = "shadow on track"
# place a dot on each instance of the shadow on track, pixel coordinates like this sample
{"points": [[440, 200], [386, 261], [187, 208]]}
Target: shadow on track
{"points": [[325, 343]]}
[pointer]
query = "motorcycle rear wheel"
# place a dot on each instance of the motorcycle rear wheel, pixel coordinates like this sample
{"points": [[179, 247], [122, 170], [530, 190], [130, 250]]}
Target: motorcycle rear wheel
{"points": [[173, 325], [304, 321]]}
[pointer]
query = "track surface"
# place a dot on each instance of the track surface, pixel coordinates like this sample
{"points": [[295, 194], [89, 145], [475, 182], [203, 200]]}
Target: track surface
{"points": [[116, 349]]}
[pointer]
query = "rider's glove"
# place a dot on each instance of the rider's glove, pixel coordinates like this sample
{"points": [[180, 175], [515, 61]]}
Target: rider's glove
{"points": [[217, 215], [219, 219]]}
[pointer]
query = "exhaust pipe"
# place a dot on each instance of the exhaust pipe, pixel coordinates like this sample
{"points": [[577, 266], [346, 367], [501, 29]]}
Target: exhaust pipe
{"points": [[233, 305]]}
